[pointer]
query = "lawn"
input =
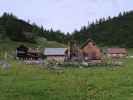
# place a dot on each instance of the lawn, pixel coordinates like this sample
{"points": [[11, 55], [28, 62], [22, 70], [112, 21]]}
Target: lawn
{"points": [[26, 82]]}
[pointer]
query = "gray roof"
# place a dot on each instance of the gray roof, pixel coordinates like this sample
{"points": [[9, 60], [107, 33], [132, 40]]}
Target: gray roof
{"points": [[54, 51]]}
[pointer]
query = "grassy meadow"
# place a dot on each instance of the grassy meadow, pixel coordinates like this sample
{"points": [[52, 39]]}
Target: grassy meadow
{"points": [[31, 82], [36, 82]]}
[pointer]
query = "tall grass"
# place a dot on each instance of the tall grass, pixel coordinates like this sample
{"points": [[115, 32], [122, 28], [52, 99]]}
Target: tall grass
{"points": [[33, 82]]}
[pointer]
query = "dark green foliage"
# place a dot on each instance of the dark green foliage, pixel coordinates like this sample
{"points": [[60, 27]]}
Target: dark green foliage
{"points": [[2, 32], [116, 31], [14, 29], [52, 35]]}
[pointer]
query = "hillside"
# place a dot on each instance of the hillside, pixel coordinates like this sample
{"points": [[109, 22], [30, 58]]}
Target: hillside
{"points": [[116, 31], [11, 45], [19, 30]]}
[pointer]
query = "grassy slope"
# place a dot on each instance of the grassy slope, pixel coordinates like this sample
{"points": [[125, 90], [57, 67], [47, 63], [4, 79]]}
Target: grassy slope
{"points": [[10, 46], [42, 43], [26, 82]]}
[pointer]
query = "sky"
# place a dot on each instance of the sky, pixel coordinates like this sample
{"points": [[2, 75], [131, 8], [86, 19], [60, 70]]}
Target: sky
{"points": [[66, 15]]}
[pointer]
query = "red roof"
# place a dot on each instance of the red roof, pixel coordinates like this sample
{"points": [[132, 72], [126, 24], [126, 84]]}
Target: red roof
{"points": [[116, 51], [89, 40]]}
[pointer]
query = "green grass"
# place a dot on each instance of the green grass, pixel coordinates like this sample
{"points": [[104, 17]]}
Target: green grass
{"points": [[31, 82], [41, 42], [28, 82]]}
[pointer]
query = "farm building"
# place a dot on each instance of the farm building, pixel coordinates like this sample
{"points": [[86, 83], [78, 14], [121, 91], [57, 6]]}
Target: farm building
{"points": [[25, 53], [90, 51], [56, 54], [116, 52]]}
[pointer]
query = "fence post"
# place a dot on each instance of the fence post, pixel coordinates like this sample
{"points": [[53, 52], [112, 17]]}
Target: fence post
{"points": [[5, 55]]}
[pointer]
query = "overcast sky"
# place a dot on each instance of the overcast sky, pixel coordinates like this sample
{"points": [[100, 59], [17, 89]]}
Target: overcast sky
{"points": [[66, 15]]}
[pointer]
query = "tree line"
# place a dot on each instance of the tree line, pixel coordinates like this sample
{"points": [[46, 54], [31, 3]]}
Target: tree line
{"points": [[115, 31], [14, 28]]}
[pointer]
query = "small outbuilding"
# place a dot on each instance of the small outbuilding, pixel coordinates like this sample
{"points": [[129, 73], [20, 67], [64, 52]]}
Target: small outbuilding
{"points": [[116, 52], [55, 54]]}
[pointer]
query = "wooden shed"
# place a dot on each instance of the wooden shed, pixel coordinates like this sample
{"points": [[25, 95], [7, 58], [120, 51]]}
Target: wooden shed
{"points": [[56, 54], [90, 51]]}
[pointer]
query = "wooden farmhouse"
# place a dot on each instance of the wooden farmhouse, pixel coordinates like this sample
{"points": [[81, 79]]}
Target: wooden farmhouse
{"points": [[90, 51], [116, 52], [55, 54], [25, 53]]}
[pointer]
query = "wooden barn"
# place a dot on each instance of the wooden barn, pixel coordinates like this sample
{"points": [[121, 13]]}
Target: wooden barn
{"points": [[116, 52], [24, 53], [55, 54], [90, 51], [87, 52]]}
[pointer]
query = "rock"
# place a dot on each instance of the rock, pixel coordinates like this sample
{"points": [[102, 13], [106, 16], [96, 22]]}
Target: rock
{"points": [[5, 65]]}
